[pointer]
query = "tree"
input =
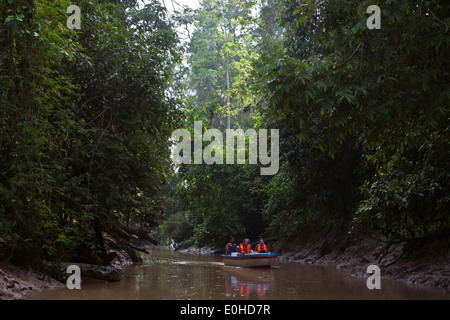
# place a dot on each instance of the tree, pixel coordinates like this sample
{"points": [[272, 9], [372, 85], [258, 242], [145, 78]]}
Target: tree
{"points": [[342, 83], [219, 200], [85, 121], [217, 48]]}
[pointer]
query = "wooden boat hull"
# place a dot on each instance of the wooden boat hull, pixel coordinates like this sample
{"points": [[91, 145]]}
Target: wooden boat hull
{"points": [[250, 260]]}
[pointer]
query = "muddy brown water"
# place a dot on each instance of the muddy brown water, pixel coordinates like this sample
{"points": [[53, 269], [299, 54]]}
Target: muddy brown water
{"points": [[168, 275]]}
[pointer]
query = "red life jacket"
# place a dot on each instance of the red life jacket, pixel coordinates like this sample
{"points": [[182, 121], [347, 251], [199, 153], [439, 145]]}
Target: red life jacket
{"points": [[258, 248]]}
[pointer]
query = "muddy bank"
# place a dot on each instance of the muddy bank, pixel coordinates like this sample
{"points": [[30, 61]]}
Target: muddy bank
{"points": [[202, 250], [16, 281], [425, 262]]}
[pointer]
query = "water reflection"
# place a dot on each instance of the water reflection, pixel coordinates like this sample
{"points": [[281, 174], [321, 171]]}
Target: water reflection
{"points": [[249, 283], [172, 275]]}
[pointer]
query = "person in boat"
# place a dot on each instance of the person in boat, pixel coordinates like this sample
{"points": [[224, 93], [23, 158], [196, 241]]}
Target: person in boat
{"points": [[245, 247], [261, 247], [231, 247]]}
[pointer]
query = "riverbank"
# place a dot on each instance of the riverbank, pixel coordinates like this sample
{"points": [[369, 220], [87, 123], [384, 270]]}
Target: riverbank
{"points": [[201, 250], [17, 281], [425, 262]]}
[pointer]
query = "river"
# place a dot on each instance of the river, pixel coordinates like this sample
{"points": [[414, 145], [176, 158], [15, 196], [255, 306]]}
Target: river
{"points": [[168, 275]]}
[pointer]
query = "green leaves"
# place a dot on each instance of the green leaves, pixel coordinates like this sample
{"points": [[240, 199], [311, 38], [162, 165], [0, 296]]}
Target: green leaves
{"points": [[335, 83], [16, 17], [219, 60], [223, 200], [85, 121]]}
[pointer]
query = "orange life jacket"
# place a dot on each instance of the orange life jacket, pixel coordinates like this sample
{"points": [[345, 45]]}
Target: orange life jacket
{"points": [[248, 249], [259, 248]]}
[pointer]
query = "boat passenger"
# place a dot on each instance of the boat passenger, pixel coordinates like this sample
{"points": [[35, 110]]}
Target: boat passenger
{"points": [[231, 247], [261, 247], [245, 247]]}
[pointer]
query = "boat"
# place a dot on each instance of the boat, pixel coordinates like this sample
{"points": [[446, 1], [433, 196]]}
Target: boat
{"points": [[251, 260]]}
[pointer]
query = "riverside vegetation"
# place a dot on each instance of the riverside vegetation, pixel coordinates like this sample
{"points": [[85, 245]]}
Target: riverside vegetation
{"points": [[86, 118]]}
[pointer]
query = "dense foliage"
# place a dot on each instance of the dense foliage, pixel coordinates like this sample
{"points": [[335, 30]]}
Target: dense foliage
{"points": [[86, 118], [85, 121], [363, 115], [375, 101]]}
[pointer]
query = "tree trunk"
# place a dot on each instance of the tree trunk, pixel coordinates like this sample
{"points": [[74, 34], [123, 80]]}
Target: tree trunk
{"points": [[228, 89], [127, 232]]}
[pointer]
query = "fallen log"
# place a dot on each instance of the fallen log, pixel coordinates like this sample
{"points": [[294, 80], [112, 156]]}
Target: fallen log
{"points": [[121, 237], [108, 273]]}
